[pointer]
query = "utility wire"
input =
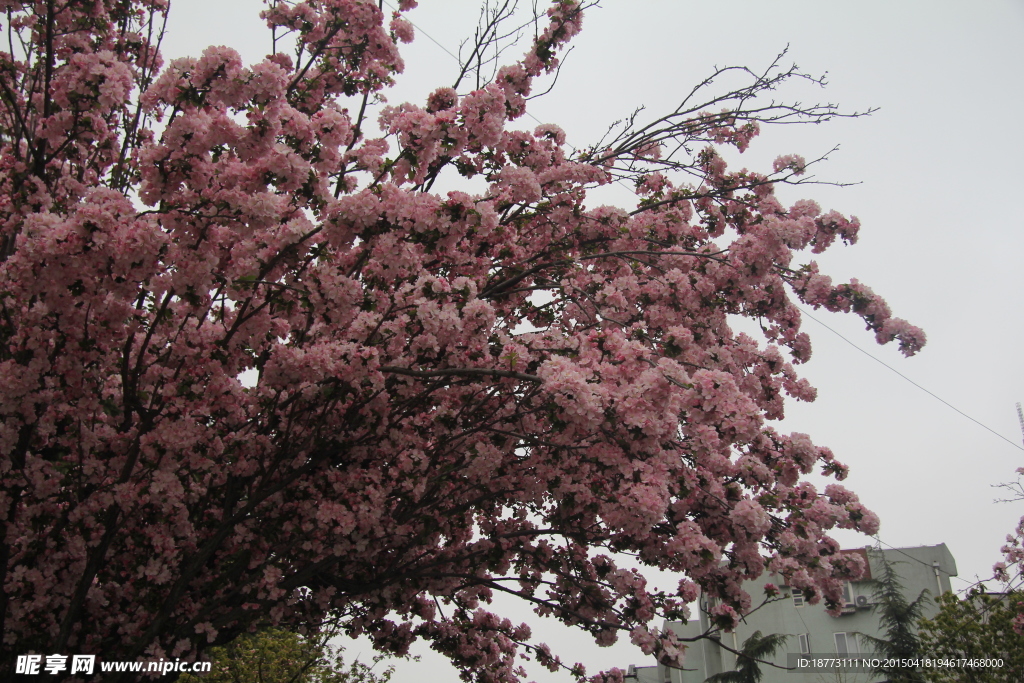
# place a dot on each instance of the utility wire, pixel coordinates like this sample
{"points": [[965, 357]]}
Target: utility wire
{"points": [[938, 398], [427, 35], [922, 562]]}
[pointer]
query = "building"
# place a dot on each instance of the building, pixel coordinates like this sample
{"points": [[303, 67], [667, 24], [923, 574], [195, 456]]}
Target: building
{"points": [[810, 628]]}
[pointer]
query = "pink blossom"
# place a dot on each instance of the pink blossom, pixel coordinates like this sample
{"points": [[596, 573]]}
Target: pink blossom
{"points": [[256, 371], [792, 162]]}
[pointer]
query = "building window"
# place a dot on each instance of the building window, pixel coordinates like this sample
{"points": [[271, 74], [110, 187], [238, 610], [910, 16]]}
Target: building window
{"points": [[805, 643], [798, 597], [846, 644], [847, 595]]}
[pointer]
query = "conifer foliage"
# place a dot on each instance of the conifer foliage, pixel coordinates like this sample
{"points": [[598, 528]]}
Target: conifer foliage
{"points": [[254, 371], [898, 619]]}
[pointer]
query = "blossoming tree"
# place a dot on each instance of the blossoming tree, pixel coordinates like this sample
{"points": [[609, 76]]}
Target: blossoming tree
{"points": [[255, 372], [1010, 570]]}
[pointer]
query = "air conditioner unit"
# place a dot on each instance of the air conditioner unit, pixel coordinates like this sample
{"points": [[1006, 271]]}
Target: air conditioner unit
{"points": [[863, 601]]}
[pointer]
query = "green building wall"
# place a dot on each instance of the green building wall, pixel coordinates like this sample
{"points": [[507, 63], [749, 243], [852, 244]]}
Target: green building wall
{"points": [[920, 568]]}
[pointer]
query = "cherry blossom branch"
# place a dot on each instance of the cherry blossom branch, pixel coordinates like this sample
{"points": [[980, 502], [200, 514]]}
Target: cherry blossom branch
{"points": [[488, 36]]}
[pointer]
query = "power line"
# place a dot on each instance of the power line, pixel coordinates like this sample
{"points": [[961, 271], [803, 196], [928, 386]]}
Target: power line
{"points": [[922, 562], [936, 397], [427, 35]]}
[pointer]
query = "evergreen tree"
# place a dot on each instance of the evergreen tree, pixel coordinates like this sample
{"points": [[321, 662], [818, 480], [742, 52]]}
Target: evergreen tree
{"points": [[898, 618]]}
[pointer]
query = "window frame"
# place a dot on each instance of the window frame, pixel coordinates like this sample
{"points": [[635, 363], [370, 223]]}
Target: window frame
{"points": [[849, 641], [848, 599]]}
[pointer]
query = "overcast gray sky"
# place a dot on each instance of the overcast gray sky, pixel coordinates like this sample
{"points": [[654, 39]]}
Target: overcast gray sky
{"points": [[939, 167]]}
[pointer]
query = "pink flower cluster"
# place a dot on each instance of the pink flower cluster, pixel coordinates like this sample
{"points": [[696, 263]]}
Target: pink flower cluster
{"points": [[297, 384]]}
